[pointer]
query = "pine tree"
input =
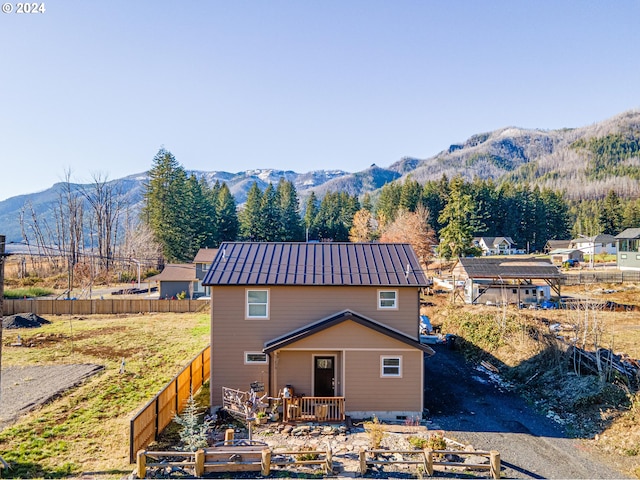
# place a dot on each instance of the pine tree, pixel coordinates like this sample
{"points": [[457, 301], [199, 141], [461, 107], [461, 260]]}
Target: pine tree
{"points": [[310, 217], [227, 216], [164, 204], [611, 214], [194, 434], [250, 216], [270, 226], [456, 236], [290, 223]]}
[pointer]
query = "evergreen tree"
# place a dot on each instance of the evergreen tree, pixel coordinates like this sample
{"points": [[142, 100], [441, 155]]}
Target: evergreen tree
{"points": [[366, 202], [251, 226], [388, 203], [410, 195], [611, 214], [227, 216], [270, 225], [290, 223], [457, 234], [310, 216], [434, 198], [631, 215], [164, 210]]}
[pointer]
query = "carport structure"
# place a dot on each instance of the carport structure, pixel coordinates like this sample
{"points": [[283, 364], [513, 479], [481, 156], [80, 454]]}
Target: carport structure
{"points": [[498, 272]]}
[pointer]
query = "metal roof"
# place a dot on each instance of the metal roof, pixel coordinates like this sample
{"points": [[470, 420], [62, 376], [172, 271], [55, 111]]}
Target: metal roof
{"points": [[289, 263], [503, 267]]}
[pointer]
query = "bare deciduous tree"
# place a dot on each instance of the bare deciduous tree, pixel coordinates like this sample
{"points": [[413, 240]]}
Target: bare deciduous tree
{"points": [[412, 228]]}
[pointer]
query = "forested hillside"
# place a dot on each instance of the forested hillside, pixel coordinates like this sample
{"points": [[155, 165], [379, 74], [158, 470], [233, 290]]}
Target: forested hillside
{"points": [[532, 185]]}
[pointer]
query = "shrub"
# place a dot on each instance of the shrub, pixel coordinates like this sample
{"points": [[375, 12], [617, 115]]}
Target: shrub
{"points": [[308, 455], [376, 432], [418, 442], [436, 441], [194, 433]]}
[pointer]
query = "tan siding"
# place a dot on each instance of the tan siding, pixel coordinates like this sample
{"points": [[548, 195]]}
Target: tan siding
{"points": [[366, 391], [294, 368], [290, 309], [348, 334]]}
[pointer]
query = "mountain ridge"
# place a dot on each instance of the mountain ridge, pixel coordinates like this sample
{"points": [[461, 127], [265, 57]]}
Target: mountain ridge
{"points": [[561, 159]]}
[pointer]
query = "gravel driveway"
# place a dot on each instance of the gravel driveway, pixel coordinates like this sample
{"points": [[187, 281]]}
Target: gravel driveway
{"points": [[24, 388], [474, 409]]}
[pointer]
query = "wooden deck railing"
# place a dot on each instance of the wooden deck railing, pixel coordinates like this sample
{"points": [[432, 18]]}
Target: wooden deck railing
{"points": [[313, 409]]}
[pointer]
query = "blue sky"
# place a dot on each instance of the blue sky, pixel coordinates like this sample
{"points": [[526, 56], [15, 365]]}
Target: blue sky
{"points": [[96, 88]]}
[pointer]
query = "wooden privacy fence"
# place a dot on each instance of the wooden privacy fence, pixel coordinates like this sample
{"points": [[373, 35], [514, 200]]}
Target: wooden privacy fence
{"points": [[428, 459], [145, 427], [101, 307]]}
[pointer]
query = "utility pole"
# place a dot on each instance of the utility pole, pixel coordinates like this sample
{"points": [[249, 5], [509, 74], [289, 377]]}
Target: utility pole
{"points": [[2, 257]]}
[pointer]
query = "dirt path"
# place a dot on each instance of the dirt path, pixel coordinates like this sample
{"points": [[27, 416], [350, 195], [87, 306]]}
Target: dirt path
{"points": [[473, 409], [24, 388]]}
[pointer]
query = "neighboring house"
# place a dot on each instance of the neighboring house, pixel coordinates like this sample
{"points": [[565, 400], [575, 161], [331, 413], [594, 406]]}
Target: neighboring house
{"points": [[561, 255], [628, 248], [496, 245], [336, 323], [203, 261], [175, 279], [595, 245], [556, 245], [507, 280]]}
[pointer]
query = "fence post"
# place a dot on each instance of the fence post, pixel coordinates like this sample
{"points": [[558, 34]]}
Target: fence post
{"points": [[329, 460], [266, 462], [363, 461], [141, 464], [428, 458], [495, 463], [199, 468], [228, 436]]}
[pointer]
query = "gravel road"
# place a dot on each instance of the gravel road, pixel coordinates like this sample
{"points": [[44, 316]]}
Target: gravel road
{"points": [[24, 388], [472, 408]]}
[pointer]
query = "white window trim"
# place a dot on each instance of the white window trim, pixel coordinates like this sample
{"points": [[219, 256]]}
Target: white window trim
{"points": [[395, 306], [388, 375], [249, 362], [246, 304]]}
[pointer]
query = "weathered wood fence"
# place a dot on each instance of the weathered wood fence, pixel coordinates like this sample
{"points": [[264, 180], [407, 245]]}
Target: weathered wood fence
{"points": [[428, 459], [107, 306], [233, 459], [145, 427], [594, 276]]}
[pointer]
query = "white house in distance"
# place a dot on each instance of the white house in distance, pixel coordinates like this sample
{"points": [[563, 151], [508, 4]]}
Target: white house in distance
{"points": [[496, 245], [595, 245]]}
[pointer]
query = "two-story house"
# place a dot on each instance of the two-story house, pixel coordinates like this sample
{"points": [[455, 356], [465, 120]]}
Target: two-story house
{"points": [[628, 249], [337, 324], [496, 245]]}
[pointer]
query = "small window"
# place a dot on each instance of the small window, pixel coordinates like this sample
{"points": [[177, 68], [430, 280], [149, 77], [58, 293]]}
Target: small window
{"points": [[257, 303], [390, 366], [387, 299], [514, 291], [255, 357], [623, 256]]}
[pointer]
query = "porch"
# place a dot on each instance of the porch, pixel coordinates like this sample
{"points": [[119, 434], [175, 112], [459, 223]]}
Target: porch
{"points": [[313, 409]]}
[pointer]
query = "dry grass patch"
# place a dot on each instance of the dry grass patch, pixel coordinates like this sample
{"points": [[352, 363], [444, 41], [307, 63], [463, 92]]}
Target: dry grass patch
{"points": [[87, 429]]}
